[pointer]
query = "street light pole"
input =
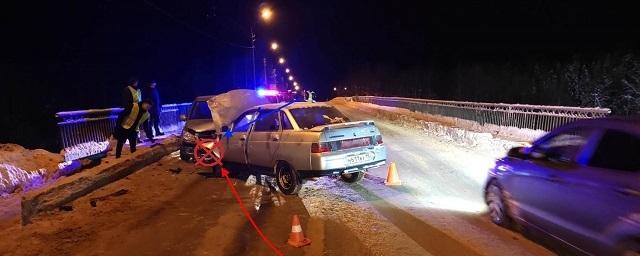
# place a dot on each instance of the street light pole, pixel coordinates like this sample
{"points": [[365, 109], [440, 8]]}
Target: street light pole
{"points": [[266, 83], [253, 57]]}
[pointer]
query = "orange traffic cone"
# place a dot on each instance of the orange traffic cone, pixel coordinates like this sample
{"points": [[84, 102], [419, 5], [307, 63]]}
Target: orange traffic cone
{"points": [[296, 238], [392, 176]]}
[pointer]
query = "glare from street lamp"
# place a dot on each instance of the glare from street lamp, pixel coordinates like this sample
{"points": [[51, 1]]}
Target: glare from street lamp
{"points": [[274, 46], [281, 60], [345, 88], [297, 88], [295, 83], [266, 13], [287, 70], [335, 89], [290, 78]]}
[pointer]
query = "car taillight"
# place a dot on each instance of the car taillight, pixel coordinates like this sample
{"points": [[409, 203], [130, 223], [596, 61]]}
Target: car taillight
{"points": [[320, 147], [378, 139]]}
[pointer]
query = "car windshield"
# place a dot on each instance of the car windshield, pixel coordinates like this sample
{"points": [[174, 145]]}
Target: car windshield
{"points": [[308, 118], [200, 110]]}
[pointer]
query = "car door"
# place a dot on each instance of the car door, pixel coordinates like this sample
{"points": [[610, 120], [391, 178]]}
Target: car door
{"points": [[235, 146], [264, 139], [603, 196], [538, 182]]}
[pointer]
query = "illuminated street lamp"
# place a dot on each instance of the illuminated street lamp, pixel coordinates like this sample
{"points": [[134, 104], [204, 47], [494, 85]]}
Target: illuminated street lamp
{"points": [[295, 83], [287, 70], [335, 89], [274, 46], [345, 88], [290, 78], [296, 87], [266, 13], [281, 60]]}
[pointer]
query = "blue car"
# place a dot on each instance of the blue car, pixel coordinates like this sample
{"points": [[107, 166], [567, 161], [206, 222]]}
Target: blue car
{"points": [[580, 184]]}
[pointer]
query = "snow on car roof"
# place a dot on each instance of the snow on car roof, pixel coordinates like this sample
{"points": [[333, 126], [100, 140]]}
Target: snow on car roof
{"points": [[294, 105]]}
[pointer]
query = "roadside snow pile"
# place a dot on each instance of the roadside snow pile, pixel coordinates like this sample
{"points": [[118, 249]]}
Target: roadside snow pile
{"points": [[444, 128], [510, 133], [12, 178], [84, 150], [22, 168]]}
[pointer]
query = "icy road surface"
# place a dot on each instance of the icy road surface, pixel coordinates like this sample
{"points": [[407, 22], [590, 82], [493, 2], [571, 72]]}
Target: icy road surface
{"points": [[439, 205]]}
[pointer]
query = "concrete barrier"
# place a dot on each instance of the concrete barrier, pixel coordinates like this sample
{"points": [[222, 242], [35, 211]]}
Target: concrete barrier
{"points": [[70, 188]]}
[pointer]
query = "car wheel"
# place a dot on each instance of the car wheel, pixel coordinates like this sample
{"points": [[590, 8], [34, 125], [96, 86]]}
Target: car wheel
{"points": [[497, 207], [289, 181], [352, 177], [184, 156]]}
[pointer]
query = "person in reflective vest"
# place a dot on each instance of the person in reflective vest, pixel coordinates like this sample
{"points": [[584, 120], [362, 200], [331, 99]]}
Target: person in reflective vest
{"points": [[131, 94], [128, 124]]}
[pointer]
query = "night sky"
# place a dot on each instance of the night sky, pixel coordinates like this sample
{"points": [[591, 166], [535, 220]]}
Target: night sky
{"points": [[69, 55]]}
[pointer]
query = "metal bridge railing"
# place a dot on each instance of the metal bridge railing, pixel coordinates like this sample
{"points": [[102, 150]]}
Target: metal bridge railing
{"points": [[97, 125], [533, 117]]}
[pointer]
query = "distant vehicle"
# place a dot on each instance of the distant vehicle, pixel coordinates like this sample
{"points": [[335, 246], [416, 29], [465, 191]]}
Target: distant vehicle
{"points": [[198, 124], [579, 183], [303, 140]]}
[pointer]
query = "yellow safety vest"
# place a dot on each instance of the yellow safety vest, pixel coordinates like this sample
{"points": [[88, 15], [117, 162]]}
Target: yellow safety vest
{"points": [[136, 95], [131, 119]]}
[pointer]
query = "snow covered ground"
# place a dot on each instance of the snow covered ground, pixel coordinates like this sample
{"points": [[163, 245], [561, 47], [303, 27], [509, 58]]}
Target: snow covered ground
{"points": [[440, 205], [22, 169]]}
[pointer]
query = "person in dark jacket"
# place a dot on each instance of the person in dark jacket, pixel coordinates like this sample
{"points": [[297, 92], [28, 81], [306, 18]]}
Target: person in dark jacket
{"points": [[151, 92], [128, 124]]}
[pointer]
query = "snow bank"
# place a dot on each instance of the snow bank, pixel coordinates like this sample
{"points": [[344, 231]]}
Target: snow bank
{"points": [[506, 132], [460, 132], [22, 168], [227, 106], [12, 178], [84, 150]]}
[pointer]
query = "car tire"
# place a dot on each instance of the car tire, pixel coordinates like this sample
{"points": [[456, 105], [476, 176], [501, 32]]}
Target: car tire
{"points": [[498, 211], [288, 179], [352, 177], [184, 156]]}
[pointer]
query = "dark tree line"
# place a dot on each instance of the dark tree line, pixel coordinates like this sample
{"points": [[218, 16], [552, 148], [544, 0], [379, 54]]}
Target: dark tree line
{"points": [[610, 80]]}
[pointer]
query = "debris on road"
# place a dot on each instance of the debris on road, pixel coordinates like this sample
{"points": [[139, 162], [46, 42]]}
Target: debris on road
{"points": [[66, 208], [176, 170]]}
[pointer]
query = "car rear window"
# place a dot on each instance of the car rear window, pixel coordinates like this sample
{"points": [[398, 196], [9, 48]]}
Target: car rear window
{"points": [[617, 150], [308, 118], [200, 110]]}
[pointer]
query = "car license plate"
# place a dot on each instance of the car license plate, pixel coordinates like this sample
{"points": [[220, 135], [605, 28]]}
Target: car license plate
{"points": [[360, 158]]}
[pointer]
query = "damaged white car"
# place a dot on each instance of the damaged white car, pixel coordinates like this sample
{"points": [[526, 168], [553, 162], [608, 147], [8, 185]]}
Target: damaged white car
{"points": [[299, 140]]}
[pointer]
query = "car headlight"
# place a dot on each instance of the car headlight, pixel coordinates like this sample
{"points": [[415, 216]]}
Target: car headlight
{"points": [[188, 136]]}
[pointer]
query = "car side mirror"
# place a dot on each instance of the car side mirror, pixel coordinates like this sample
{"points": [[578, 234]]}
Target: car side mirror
{"points": [[183, 117]]}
